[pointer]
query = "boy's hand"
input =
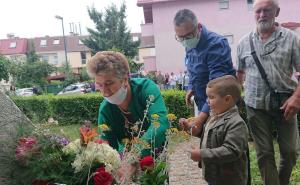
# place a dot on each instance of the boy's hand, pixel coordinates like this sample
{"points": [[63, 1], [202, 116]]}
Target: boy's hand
{"points": [[195, 154]]}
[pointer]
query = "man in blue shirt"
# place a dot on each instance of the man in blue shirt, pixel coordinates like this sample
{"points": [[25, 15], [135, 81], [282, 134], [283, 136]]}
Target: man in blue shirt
{"points": [[208, 56]]}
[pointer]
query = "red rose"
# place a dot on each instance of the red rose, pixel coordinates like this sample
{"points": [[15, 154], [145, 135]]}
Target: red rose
{"points": [[102, 177], [147, 163], [42, 182]]}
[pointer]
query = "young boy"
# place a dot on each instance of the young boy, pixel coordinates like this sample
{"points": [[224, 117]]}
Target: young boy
{"points": [[223, 145]]}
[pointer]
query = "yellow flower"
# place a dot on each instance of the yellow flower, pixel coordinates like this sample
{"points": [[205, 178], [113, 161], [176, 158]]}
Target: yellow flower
{"points": [[156, 124], [155, 116], [174, 130], [125, 141], [103, 127], [171, 117]]}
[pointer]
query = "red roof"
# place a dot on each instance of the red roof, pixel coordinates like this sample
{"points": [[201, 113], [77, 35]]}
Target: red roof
{"points": [[13, 46], [53, 44]]}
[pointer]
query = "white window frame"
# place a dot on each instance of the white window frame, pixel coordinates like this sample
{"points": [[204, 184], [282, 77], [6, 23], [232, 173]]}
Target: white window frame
{"points": [[134, 39], [224, 4], [45, 58], [43, 43], [56, 42], [13, 45], [55, 59]]}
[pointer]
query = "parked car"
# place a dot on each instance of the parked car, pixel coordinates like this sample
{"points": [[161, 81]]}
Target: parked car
{"points": [[25, 92], [79, 88]]}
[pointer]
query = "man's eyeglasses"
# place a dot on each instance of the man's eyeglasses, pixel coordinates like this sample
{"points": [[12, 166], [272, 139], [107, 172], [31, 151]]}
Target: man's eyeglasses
{"points": [[271, 47], [187, 36]]}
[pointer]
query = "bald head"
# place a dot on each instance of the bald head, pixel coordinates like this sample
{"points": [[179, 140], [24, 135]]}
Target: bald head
{"points": [[273, 2]]}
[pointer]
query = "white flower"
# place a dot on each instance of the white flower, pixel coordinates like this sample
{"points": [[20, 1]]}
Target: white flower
{"points": [[100, 153], [73, 147]]}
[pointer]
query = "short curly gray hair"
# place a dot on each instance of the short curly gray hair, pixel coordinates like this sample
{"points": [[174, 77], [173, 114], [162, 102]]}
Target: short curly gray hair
{"points": [[108, 61]]}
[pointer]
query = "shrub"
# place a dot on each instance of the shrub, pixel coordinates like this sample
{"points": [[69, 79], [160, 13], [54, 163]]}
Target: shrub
{"points": [[77, 108]]}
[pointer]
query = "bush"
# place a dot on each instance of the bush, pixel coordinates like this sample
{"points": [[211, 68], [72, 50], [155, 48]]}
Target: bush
{"points": [[175, 102], [77, 108], [36, 108]]}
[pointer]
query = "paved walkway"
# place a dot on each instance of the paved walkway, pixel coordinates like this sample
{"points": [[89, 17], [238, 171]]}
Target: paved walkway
{"points": [[183, 171]]}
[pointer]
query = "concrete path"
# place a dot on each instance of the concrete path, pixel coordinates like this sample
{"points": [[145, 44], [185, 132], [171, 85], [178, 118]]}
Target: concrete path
{"points": [[183, 171]]}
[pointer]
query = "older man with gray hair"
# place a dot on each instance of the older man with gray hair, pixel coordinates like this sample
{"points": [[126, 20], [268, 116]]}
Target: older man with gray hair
{"points": [[267, 58], [208, 56]]}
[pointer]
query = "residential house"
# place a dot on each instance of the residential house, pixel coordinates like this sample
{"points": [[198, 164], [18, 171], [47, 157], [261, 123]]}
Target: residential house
{"points": [[14, 48], [52, 50], [230, 18]]}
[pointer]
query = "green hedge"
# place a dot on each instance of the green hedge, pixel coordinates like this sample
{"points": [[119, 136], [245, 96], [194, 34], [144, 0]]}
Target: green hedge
{"points": [[77, 108]]}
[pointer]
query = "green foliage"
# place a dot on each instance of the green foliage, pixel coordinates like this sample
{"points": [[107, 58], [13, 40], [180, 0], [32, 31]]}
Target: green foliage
{"points": [[31, 55], [77, 108], [84, 75], [111, 31], [27, 74], [4, 68], [31, 72], [36, 108], [255, 174], [69, 76], [157, 176], [66, 109], [175, 102]]}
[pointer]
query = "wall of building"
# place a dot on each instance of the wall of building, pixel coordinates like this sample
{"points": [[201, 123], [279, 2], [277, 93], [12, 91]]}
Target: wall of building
{"points": [[145, 52], [236, 21]]}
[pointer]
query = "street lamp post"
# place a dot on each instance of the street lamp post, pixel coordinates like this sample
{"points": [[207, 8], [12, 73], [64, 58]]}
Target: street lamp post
{"points": [[65, 44]]}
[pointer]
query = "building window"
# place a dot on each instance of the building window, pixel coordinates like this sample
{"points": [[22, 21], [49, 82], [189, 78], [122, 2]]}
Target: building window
{"points": [[13, 45], [55, 59], [55, 42], [250, 5], [229, 38], [83, 57], [80, 42], [134, 39], [45, 58], [43, 43], [223, 4]]}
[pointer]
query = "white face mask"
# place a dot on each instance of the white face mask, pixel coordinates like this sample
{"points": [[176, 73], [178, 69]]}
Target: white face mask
{"points": [[118, 97], [191, 43]]}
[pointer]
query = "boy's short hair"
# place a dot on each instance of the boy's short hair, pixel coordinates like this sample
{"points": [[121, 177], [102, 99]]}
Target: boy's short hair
{"points": [[226, 85]]}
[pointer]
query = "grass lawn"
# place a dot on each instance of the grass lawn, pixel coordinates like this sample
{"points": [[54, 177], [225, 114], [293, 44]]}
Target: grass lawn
{"points": [[72, 132], [255, 175]]}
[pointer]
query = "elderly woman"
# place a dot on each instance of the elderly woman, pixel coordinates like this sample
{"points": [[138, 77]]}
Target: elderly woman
{"points": [[125, 101]]}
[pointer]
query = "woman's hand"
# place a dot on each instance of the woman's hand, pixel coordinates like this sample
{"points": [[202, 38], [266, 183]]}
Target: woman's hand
{"points": [[126, 172]]}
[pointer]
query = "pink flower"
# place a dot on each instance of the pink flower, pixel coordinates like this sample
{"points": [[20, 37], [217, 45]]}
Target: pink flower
{"points": [[25, 145]]}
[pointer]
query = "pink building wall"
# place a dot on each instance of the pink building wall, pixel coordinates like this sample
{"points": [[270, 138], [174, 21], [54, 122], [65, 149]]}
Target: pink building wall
{"points": [[237, 21]]}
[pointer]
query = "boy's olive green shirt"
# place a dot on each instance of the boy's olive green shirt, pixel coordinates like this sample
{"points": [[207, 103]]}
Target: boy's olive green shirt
{"points": [[112, 116]]}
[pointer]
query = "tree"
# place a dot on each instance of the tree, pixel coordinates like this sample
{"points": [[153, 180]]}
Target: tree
{"points": [[30, 72], [31, 55], [69, 76], [111, 32], [4, 68]]}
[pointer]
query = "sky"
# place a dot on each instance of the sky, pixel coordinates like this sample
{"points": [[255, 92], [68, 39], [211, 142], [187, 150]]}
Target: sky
{"points": [[36, 18]]}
